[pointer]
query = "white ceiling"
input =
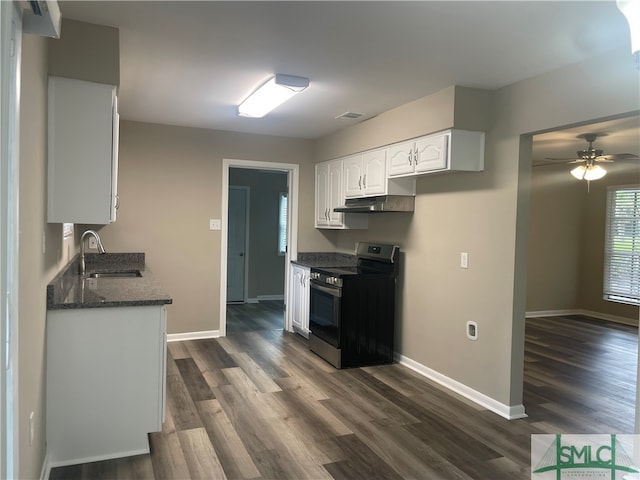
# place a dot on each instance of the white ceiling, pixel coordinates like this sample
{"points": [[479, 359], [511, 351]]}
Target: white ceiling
{"points": [[191, 63]]}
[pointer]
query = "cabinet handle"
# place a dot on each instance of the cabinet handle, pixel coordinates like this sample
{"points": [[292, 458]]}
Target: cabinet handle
{"points": [[117, 202], [360, 182], [410, 155], [415, 157], [326, 214], [364, 181]]}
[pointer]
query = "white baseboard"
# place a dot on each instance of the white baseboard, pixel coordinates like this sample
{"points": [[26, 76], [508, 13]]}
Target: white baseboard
{"points": [[271, 297], [510, 412], [586, 313], [179, 337], [46, 468]]}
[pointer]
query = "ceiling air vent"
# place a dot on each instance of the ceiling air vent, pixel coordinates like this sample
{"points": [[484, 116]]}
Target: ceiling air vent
{"points": [[350, 115]]}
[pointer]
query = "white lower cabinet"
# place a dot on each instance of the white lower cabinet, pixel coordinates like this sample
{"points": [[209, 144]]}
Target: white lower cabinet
{"points": [[106, 374], [300, 299]]}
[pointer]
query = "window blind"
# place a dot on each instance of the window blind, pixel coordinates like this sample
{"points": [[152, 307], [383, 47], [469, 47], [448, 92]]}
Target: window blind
{"points": [[622, 245]]}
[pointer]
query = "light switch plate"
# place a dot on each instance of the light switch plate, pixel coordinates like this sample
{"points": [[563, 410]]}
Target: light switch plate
{"points": [[214, 224], [464, 260]]}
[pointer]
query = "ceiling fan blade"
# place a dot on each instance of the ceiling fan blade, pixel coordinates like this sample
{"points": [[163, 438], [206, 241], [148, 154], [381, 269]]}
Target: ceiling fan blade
{"points": [[568, 159], [618, 156]]}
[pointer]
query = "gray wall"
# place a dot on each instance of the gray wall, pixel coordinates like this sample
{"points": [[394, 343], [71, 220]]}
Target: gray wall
{"points": [[36, 267], [170, 185], [566, 242], [266, 267], [485, 214]]}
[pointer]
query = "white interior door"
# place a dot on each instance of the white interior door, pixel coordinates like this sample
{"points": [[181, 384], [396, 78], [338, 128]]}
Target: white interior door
{"points": [[237, 243]]}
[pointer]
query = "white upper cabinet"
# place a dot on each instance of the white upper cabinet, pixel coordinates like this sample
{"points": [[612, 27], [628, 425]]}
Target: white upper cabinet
{"points": [[82, 152], [453, 150], [366, 175], [329, 195]]}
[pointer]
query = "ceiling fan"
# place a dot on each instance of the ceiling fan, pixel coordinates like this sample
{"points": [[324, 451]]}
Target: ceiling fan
{"points": [[590, 158]]}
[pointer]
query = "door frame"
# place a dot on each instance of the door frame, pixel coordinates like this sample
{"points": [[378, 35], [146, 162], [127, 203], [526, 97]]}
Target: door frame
{"points": [[293, 174], [247, 211], [10, 67]]}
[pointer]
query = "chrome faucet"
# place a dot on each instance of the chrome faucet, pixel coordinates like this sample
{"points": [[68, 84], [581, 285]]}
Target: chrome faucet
{"points": [[101, 249]]}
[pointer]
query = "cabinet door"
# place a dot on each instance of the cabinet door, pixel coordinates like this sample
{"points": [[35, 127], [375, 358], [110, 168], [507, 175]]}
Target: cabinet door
{"points": [[400, 158], [105, 394], [82, 152], [374, 179], [353, 176], [305, 293], [300, 299], [322, 191], [432, 153], [336, 193]]}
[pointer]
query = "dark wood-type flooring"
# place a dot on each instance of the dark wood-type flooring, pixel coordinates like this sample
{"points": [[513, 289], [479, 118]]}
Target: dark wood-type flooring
{"points": [[260, 405], [250, 317]]}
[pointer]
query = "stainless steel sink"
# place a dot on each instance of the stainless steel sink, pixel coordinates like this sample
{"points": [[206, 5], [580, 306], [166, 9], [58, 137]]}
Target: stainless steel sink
{"points": [[122, 274]]}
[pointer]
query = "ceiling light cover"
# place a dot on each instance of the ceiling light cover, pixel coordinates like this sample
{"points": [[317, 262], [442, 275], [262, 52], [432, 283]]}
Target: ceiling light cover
{"points": [[588, 172], [631, 10], [272, 93]]}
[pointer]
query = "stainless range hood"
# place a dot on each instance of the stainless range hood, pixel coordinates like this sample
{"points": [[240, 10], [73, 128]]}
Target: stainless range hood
{"points": [[380, 204]]}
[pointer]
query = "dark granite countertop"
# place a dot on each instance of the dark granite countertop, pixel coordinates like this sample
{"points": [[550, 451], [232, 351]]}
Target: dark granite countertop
{"points": [[325, 259], [70, 290]]}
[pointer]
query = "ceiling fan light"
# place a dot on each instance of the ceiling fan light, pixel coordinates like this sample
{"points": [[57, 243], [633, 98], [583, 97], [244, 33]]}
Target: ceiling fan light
{"points": [[631, 10], [270, 94], [579, 172], [594, 172]]}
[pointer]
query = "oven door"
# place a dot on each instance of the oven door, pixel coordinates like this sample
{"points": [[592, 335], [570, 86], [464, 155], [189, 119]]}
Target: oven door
{"points": [[324, 312]]}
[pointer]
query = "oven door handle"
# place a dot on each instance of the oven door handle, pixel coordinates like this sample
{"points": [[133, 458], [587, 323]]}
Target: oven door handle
{"points": [[333, 291]]}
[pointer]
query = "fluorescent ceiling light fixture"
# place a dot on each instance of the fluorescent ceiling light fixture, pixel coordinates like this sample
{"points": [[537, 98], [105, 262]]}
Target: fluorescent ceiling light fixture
{"points": [[588, 172], [631, 10], [272, 93]]}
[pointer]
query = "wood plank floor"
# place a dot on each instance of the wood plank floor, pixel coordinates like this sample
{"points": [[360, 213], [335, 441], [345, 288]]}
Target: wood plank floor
{"points": [[260, 405], [250, 317]]}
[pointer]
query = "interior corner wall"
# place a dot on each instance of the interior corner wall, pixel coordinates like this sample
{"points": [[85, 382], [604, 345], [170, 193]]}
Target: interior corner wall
{"points": [[42, 253], [566, 242], [592, 234], [170, 185], [86, 52], [555, 238]]}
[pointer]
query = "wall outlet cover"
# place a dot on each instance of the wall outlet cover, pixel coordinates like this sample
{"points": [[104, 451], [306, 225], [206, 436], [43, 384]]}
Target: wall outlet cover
{"points": [[472, 330]]}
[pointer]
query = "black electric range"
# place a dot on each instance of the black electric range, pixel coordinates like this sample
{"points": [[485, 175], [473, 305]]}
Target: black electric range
{"points": [[352, 309]]}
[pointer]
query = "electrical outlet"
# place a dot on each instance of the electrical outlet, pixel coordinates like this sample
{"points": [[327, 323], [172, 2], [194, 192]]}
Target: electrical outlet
{"points": [[92, 243], [215, 224]]}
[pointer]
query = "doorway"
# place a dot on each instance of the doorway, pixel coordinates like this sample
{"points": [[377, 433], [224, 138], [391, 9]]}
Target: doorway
{"points": [[565, 275], [262, 296]]}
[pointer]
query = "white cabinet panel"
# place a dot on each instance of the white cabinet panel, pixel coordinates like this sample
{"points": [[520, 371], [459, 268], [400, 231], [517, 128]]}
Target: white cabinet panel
{"points": [[106, 370], [449, 151], [82, 152], [300, 299], [329, 195]]}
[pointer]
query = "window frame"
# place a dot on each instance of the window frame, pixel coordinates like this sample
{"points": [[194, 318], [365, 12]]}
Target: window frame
{"points": [[613, 289]]}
